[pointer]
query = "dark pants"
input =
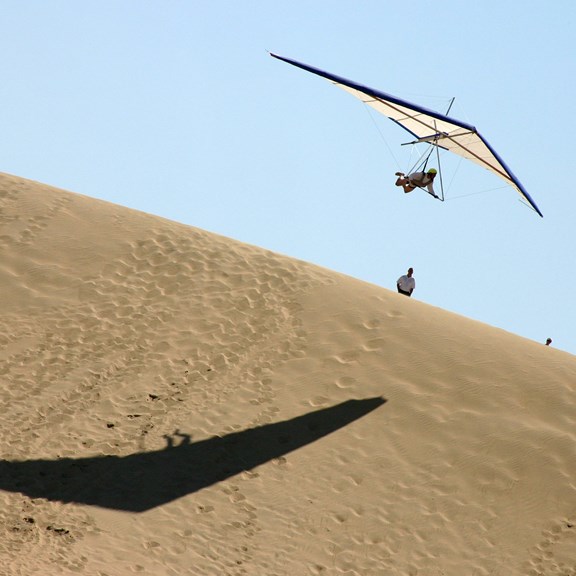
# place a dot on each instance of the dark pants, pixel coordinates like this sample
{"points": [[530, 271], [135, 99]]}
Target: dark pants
{"points": [[403, 292]]}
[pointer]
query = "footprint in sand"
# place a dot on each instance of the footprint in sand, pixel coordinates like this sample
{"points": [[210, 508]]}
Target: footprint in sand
{"points": [[555, 554]]}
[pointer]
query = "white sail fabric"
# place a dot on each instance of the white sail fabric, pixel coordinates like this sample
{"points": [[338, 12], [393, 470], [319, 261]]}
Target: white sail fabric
{"points": [[428, 126]]}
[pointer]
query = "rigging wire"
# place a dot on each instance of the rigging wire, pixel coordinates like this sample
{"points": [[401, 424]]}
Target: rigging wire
{"points": [[479, 192], [440, 174], [368, 110], [422, 161]]}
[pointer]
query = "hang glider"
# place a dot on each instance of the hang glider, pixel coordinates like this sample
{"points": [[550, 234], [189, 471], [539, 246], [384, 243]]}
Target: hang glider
{"points": [[427, 126]]}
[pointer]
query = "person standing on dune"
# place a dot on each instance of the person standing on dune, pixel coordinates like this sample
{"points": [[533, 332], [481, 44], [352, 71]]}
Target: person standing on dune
{"points": [[406, 283]]}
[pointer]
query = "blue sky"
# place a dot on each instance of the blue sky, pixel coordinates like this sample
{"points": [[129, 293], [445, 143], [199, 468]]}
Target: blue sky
{"points": [[174, 107]]}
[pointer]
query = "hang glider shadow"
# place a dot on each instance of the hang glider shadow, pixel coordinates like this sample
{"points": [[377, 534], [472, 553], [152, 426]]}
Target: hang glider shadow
{"points": [[142, 481]]}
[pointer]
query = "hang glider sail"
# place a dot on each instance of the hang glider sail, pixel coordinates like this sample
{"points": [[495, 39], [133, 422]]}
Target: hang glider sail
{"points": [[428, 126]]}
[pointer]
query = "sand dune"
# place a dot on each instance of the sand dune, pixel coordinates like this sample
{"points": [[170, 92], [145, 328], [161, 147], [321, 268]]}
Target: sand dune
{"points": [[176, 402]]}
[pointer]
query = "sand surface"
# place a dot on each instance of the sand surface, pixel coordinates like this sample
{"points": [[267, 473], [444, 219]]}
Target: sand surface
{"points": [[178, 403]]}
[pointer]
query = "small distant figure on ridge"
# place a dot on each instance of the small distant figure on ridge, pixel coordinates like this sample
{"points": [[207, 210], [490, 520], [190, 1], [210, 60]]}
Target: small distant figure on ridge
{"points": [[417, 180], [548, 341], [406, 283]]}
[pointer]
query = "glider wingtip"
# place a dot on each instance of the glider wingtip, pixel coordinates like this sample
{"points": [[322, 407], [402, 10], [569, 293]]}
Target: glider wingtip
{"points": [[533, 206]]}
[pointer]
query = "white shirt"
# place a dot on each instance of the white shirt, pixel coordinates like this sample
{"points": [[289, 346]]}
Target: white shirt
{"points": [[406, 283], [422, 179]]}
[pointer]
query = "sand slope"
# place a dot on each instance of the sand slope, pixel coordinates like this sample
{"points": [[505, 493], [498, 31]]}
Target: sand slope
{"points": [[175, 402]]}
